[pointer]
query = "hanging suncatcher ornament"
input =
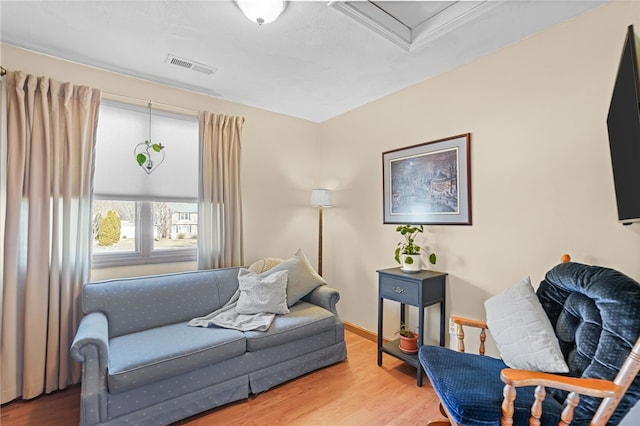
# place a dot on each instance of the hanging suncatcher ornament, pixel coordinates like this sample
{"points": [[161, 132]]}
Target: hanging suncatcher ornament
{"points": [[149, 155]]}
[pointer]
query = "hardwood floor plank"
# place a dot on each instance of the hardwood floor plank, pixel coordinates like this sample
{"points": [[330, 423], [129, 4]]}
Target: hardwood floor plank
{"points": [[354, 392]]}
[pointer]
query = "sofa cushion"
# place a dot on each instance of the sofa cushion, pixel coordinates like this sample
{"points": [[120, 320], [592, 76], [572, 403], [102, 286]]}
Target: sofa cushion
{"points": [[303, 320], [144, 357]]}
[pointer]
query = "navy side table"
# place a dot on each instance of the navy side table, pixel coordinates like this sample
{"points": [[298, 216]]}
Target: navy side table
{"points": [[421, 289]]}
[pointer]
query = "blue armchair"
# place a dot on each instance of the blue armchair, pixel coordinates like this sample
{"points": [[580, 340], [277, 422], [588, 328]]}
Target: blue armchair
{"points": [[595, 313]]}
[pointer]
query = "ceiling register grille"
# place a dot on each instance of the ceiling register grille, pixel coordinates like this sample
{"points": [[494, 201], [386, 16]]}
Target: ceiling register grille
{"points": [[190, 65]]}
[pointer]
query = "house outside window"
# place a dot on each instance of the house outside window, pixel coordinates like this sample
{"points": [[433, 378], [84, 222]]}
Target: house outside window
{"points": [[184, 221], [141, 217]]}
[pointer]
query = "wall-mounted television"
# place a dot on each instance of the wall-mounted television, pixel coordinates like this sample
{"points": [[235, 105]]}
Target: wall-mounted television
{"points": [[623, 123]]}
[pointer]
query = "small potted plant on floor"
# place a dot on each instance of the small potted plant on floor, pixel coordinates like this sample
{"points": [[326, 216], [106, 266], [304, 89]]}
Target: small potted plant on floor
{"points": [[408, 339], [407, 253]]}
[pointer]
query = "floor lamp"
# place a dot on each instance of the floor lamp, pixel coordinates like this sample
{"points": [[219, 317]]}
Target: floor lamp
{"points": [[320, 198]]}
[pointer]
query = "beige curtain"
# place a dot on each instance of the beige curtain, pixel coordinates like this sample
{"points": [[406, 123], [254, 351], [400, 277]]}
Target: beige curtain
{"points": [[220, 198], [51, 129]]}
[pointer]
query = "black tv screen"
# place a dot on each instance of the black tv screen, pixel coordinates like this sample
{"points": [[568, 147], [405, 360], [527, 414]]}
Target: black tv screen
{"points": [[623, 123]]}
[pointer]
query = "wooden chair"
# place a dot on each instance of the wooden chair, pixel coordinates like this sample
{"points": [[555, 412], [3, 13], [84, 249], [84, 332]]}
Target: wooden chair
{"points": [[471, 393]]}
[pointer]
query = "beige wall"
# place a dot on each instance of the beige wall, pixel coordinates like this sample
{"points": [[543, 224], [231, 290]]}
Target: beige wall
{"points": [[541, 173], [541, 177], [279, 159]]}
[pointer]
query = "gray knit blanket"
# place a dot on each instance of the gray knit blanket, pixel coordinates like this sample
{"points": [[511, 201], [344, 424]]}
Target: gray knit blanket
{"points": [[228, 317]]}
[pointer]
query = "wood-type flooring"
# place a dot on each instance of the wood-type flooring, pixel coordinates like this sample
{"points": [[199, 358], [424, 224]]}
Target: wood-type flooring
{"points": [[355, 392]]}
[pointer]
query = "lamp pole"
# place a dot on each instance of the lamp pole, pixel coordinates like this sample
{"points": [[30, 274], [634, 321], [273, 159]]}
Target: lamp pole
{"points": [[320, 240], [320, 198]]}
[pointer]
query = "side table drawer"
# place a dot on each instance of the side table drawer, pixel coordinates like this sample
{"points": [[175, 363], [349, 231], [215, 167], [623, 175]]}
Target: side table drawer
{"points": [[399, 290]]}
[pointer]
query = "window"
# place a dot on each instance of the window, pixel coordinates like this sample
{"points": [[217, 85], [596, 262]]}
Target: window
{"points": [[114, 226], [141, 217]]}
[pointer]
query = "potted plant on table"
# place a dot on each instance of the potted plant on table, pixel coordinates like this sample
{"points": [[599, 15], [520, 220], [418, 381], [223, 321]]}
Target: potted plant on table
{"points": [[407, 253], [408, 339]]}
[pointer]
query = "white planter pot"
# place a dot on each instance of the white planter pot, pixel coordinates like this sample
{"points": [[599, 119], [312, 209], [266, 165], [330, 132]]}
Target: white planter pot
{"points": [[414, 266]]}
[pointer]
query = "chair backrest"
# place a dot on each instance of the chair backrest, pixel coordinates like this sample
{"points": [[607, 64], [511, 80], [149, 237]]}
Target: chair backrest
{"points": [[595, 312]]}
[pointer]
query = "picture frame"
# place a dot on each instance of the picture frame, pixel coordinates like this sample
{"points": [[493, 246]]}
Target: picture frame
{"points": [[429, 183]]}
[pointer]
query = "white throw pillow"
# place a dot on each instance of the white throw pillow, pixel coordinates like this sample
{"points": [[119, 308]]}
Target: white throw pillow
{"points": [[262, 293], [522, 331]]}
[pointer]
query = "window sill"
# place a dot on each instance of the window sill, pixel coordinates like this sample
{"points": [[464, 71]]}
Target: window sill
{"points": [[111, 260]]}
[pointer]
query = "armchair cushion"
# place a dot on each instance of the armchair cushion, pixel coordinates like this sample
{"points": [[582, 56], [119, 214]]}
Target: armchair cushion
{"points": [[469, 386], [596, 315], [522, 331]]}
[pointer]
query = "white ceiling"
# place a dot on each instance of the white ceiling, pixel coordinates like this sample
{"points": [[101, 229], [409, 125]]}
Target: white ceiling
{"points": [[315, 62]]}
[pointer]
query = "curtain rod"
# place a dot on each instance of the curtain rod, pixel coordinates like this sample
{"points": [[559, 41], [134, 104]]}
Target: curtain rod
{"points": [[147, 103], [132, 100]]}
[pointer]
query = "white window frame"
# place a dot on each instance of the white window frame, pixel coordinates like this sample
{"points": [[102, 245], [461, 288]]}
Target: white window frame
{"points": [[144, 253]]}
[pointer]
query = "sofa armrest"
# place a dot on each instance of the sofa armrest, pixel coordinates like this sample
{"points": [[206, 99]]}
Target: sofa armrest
{"points": [[91, 347], [325, 297], [93, 330]]}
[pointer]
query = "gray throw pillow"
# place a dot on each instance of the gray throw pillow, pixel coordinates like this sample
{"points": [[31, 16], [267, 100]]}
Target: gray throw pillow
{"points": [[262, 293], [303, 279]]}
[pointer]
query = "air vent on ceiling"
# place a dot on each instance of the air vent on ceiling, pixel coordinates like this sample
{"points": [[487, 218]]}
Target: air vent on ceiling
{"points": [[190, 65]]}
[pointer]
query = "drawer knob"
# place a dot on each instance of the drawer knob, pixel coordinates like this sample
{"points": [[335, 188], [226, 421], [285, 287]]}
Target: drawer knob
{"points": [[398, 290]]}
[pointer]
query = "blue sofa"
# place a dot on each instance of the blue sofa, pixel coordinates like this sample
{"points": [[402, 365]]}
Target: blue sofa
{"points": [[142, 364]]}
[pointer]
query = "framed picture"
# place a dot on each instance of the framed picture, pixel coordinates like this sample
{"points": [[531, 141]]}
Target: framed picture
{"points": [[429, 183]]}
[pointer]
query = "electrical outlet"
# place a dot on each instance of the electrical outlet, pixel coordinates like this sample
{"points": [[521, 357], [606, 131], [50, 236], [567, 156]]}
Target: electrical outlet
{"points": [[453, 327]]}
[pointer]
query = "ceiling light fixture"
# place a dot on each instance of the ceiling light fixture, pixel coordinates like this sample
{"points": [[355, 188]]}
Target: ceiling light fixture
{"points": [[261, 11]]}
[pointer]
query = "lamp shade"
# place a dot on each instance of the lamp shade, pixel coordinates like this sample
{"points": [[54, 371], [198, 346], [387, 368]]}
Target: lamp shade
{"points": [[321, 198], [261, 11]]}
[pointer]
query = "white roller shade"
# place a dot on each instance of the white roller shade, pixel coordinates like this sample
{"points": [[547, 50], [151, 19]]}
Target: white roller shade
{"points": [[118, 176]]}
